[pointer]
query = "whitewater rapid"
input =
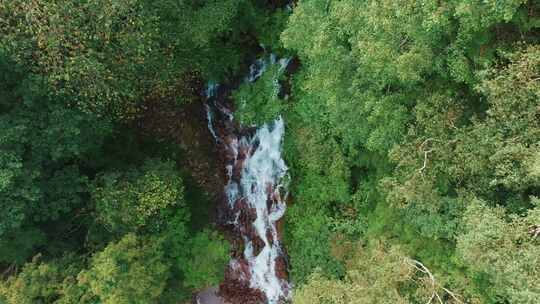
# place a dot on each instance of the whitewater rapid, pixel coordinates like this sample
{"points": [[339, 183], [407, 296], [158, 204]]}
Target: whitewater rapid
{"points": [[255, 187]]}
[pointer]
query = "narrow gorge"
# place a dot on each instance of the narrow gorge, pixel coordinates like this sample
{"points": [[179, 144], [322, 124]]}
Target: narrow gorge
{"points": [[254, 198]]}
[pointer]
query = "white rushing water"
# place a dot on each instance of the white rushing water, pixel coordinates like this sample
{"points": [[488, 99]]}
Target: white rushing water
{"points": [[260, 186], [261, 181], [211, 91]]}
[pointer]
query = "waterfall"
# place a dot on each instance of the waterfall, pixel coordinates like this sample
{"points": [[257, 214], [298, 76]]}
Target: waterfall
{"points": [[254, 192], [260, 186]]}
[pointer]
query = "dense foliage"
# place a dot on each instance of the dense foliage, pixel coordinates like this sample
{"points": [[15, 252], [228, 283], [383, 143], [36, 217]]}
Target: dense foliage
{"points": [[92, 210], [413, 141], [416, 124]]}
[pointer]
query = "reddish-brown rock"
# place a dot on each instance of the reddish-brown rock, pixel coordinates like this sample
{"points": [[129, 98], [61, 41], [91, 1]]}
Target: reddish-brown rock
{"points": [[238, 292]]}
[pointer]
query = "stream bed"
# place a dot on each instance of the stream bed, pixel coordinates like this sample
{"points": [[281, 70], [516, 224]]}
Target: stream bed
{"points": [[254, 199]]}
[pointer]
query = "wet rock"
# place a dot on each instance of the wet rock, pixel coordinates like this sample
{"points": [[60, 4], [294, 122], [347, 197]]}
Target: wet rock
{"points": [[257, 244], [238, 270], [209, 296], [281, 268], [247, 216], [270, 237], [237, 169], [237, 292], [236, 146]]}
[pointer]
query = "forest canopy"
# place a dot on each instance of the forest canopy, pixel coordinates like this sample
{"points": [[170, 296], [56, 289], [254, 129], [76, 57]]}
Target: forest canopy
{"points": [[412, 138]]}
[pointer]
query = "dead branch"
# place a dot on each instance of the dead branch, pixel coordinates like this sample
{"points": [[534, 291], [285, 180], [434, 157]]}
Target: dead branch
{"points": [[426, 153], [534, 230], [422, 147], [434, 284], [425, 142]]}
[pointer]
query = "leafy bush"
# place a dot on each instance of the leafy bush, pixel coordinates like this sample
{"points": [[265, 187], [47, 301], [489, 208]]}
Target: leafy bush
{"points": [[207, 257]]}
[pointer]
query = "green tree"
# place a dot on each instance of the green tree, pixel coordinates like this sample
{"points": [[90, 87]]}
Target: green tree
{"points": [[484, 156], [41, 282], [501, 251], [205, 261], [376, 273], [308, 243], [364, 283], [259, 102], [106, 57], [132, 270], [41, 143], [142, 197], [427, 86]]}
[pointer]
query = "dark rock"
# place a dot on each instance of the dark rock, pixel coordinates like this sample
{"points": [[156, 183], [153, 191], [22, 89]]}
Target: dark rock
{"points": [[258, 244], [281, 268], [209, 296], [269, 237], [237, 292]]}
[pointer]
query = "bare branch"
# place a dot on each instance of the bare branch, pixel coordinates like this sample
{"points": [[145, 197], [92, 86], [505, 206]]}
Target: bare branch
{"points": [[439, 298], [534, 230], [435, 286], [452, 295], [422, 147], [425, 160]]}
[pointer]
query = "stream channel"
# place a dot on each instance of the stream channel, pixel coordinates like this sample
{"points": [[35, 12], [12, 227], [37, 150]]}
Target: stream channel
{"points": [[254, 198]]}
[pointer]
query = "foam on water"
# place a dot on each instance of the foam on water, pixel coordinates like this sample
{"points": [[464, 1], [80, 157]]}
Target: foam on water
{"points": [[260, 185], [260, 181]]}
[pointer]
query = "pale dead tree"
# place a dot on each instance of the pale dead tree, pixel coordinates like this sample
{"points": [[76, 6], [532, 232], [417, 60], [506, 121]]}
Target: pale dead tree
{"points": [[426, 149], [426, 152], [534, 231], [435, 286]]}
